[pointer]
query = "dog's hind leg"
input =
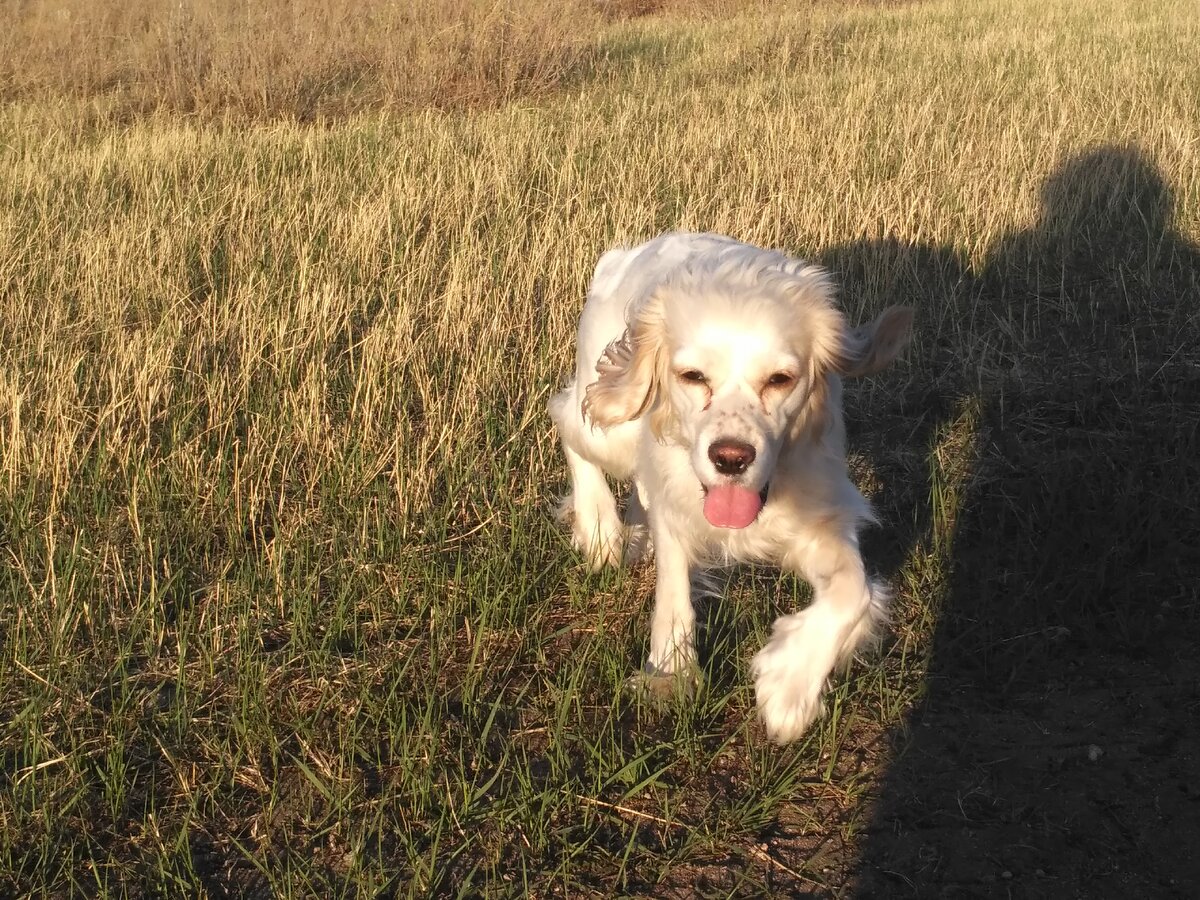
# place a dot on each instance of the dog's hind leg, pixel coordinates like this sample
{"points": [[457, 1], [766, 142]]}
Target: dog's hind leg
{"points": [[591, 511], [638, 545]]}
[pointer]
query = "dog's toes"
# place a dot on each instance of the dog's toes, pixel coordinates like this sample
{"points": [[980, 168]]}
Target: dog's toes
{"points": [[661, 687], [787, 705], [600, 540], [601, 551], [786, 718], [602, 555]]}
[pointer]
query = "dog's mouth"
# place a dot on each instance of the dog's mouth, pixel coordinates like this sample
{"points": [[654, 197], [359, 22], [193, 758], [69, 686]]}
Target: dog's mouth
{"points": [[733, 505]]}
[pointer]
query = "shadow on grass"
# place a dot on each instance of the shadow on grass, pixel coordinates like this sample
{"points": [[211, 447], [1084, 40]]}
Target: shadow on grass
{"points": [[1055, 750]]}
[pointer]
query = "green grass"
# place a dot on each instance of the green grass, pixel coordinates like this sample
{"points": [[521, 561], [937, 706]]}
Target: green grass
{"points": [[286, 612]]}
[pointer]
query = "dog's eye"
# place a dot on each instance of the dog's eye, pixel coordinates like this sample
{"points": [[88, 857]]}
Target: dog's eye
{"points": [[693, 376], [780, 379]]}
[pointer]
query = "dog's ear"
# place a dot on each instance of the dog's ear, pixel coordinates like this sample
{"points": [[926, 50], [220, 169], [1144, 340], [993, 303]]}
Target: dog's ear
{"points": [[630, 371], [869, 348]]}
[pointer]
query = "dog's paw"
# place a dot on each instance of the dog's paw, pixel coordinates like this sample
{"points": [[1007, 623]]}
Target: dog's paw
{"points": [[788, 696], [596, 531], [660, 687], [639, 547], [602, 548], [600, 539]]}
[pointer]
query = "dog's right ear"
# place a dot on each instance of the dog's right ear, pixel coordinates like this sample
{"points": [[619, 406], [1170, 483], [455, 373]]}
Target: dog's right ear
{"points": [[629, 371]]}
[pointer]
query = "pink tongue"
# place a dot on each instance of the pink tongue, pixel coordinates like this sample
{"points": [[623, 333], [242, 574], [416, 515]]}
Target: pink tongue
{"points": [[730, 506]]}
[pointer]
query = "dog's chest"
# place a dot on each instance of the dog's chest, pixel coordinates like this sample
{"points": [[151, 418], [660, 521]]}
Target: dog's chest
{"points": [[760, 542]]}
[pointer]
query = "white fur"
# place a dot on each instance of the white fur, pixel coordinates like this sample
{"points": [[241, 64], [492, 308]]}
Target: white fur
{"points": [[659, 314]]}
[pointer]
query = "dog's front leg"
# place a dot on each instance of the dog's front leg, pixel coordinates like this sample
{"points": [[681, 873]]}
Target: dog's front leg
{"points": [[791, 671], [671, 664]]}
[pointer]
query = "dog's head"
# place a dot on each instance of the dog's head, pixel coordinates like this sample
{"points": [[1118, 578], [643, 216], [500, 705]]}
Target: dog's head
{"points": [[731, 361]]}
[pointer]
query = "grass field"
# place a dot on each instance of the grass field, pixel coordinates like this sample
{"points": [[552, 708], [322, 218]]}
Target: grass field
{"points": [[285, 612]]}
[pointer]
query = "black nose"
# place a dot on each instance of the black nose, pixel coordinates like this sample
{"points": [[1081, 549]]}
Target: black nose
{"points": [[731, 457]]}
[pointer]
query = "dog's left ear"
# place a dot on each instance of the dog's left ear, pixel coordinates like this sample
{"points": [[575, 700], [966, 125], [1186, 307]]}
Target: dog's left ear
{"points": [[869, 348], [629, 371]]}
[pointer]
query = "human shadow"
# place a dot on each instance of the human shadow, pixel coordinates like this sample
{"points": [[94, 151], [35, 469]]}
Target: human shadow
{"points": [[1055, 749]]}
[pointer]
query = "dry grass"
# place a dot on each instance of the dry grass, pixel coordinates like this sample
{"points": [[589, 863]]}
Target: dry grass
{"points": [[305, 59], [300, 59], [289, 616]]}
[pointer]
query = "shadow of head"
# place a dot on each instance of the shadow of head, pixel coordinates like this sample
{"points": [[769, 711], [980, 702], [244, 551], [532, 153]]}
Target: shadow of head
{"points": [[1105, 212], [1107, 189]]}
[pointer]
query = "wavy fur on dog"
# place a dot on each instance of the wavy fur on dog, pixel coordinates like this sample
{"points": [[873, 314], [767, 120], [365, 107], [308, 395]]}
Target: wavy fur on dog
{"points": [[709, 375]]}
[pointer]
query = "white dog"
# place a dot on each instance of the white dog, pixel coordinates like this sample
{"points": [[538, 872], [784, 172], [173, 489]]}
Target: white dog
{"points": [[708, 375]]}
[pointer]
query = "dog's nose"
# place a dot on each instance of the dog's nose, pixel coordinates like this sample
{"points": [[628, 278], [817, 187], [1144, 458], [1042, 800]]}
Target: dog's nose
{"points": [[731, 457]]}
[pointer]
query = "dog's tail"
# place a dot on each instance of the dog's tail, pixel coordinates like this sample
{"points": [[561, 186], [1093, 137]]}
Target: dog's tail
{"points": [[869, 348]]}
